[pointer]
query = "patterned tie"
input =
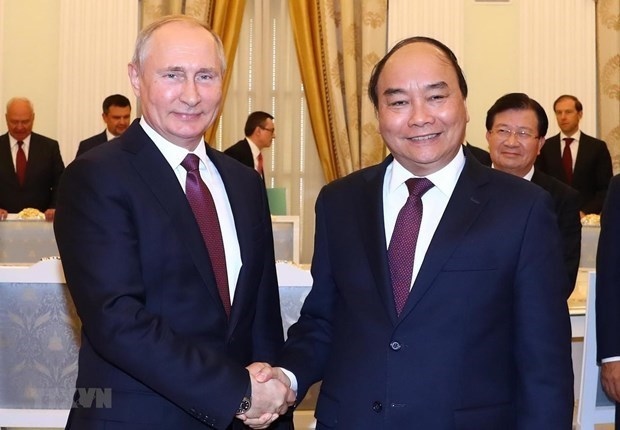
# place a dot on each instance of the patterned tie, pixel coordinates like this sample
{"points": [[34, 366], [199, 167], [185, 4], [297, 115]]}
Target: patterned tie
{"points": [[203, 206], [402, 245], [567, 160], [259, 164], [20, 163]]}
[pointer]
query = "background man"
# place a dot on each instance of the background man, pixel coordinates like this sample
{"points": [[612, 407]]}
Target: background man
{"points": [[466, 328], [168, 258], [116, 114], [30, 164], [516, 128], [573, 157], [260, 131]]}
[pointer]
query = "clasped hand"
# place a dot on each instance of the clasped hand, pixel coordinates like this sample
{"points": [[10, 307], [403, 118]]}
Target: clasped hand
{"points": [[271, 395]]}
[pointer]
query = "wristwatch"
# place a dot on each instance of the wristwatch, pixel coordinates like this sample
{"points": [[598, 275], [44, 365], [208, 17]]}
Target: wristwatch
{"points": [[244, 406]]}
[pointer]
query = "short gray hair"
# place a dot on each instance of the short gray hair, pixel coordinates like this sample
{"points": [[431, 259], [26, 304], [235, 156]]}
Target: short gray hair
{"points": [[146, 33]]}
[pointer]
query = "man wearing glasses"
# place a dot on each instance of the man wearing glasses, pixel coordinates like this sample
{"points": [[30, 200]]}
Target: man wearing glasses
{"points": [[259, 133], [516, 127]]}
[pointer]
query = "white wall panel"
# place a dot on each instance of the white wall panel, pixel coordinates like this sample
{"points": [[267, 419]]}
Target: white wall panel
{"points": [[96, 43]]}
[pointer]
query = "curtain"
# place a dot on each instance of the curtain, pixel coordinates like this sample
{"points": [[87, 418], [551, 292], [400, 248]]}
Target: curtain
{"points": [[338, 43], [608, 69], [266, 77], [223, 16]]}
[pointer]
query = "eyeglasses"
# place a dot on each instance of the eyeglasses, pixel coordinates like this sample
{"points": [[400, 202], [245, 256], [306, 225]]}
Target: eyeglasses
{"points": [[520, 135], [270, 130]]}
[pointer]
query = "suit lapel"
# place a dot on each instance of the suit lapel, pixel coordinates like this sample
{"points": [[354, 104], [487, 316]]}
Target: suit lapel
{"points": [[464, 207], [151, 165], [243, 219], [372, 232], [6, 161]]}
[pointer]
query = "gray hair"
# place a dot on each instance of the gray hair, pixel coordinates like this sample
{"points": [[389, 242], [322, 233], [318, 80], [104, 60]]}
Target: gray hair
{"points": [[146, 33]]}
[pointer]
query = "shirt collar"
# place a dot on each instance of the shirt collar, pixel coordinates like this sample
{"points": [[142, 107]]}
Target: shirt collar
{"points": [[575, 136], [444, 179], [174, 154], [255, 149], [14, 141]]}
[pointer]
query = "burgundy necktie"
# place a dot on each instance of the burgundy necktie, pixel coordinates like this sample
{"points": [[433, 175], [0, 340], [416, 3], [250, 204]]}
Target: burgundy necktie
{"points": [[20, 163], [402, 245], [259, 164], [567, 160], [203, 206]]}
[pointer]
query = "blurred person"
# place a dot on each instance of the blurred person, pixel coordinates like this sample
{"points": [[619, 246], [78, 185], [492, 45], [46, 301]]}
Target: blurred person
{"points": [[573, 157], [608, 296], [116, 114], [466, 327], [516, 127], [260, 131], [168, 258], [30, 164]]}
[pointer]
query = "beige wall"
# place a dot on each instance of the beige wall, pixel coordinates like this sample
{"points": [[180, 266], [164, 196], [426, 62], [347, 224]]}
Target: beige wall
{"points": [[66, 56], [544, 48], [29, 56], [516, 46]]}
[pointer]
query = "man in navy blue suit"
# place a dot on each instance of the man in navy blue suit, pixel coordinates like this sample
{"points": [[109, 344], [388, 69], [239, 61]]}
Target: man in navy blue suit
{"points": [[516, 127], [608, 296], [483, 339], [157, 329], [116, 115]]}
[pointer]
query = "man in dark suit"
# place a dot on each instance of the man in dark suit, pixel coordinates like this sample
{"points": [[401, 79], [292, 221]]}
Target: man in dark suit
{"points": [[41, 165], [516, 127], [116, 114], [589, 157], [170, 322], [260, 131], [482, 339], [608, 295]]}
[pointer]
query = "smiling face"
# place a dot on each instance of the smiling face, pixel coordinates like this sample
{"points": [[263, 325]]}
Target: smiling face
{"points": [[511, 154], [421, 110], [179, 83]]}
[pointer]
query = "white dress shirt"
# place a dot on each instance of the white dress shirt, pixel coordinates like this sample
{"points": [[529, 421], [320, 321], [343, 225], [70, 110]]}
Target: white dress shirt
{"points": [[175, 155], [434, 201]]}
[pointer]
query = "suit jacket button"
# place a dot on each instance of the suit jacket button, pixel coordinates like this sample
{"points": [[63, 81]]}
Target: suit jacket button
{"points": [[377, 406], [395, 345]]}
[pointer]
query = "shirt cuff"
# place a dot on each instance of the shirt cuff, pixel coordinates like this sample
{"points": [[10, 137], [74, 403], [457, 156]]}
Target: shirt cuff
{"points": [[604, 360], [293, 378]]}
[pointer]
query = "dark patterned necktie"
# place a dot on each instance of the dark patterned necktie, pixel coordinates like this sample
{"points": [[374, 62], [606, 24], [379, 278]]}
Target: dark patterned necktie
{"points": [[20, 163], [203, 206], [567, 160], [404, 238]]}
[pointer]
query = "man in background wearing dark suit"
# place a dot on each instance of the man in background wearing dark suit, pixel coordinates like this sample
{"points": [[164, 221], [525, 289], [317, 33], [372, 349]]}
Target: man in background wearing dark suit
{"points": [[573, 157], [116, 114], [30, 164], [465, 328], [260, 131], [516, 128], [167, 249]]}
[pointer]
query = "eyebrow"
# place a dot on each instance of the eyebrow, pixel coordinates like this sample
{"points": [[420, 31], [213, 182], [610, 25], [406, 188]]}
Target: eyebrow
{"points": [[433, 86]]}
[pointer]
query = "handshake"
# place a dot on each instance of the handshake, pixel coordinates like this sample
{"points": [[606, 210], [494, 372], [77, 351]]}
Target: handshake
{"points": [[271, 395]]}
